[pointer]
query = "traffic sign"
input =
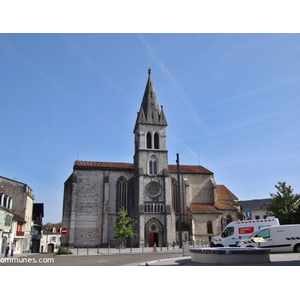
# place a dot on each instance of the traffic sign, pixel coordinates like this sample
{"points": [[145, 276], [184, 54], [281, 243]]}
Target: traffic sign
{"points": [[248, 215], [64, 231]]}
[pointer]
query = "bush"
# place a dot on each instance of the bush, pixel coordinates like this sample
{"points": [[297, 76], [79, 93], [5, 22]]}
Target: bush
{"points": [[63, 250]]}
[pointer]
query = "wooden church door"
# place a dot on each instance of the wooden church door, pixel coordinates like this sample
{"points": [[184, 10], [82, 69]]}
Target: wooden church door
{"points": [[153, 238]]}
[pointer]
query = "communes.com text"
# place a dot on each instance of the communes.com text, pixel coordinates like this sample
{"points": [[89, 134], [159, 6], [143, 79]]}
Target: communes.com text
{"points": [[26, 260]]}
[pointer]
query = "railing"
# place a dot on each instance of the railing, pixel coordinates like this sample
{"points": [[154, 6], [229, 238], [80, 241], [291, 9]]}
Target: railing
{"points": [[86, 250], [154, 208], [20, 233]]}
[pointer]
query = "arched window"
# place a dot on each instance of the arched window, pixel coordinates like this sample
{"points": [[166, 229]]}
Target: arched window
{"points": [[229, 218], [10, 203], [209, 227], [8, 220], [156, 141], [149, 140], [2, 218], [152, 166], [174, 195], [121, 194]]}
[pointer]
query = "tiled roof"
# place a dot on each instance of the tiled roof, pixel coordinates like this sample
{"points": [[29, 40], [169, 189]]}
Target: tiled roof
{"points": [[187, 169], [227, 204], [197, 208], [224, 193], [49, 230], [97, 165], [226, 199]]}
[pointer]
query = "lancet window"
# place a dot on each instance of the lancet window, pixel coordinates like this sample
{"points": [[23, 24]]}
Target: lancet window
{"points": [[149, 140], [175, 195], [152, 166], [121, 194], [156, 141]]}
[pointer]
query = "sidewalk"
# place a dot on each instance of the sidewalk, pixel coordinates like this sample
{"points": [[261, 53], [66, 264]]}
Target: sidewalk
{"points": [[96, 251], [177, 261], [106, 251], [276, 259]]}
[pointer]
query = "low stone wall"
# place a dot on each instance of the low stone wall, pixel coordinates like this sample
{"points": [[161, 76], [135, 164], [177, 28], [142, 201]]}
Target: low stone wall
{"points": [[230, 256]]}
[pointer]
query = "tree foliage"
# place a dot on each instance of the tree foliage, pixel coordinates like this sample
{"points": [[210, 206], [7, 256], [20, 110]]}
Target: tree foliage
{"points": [[48, 225], [124, 226], [285, 205]]}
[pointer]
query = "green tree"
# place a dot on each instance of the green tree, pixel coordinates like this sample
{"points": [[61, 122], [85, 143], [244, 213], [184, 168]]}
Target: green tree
{"points": [[285, 205], [48, 225], [124, 226]]}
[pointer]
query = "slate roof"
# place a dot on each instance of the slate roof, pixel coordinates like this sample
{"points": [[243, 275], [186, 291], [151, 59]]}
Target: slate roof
{"points": [[19, 218], [119, 166], [149, 112], [255, 204]]}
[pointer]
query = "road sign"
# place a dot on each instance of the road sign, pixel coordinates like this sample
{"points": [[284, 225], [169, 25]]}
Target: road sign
{"points": [[248, 215], [64, 230]]}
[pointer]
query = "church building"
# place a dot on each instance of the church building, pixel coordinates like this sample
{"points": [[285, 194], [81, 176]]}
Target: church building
{"points": [[148, 189]]}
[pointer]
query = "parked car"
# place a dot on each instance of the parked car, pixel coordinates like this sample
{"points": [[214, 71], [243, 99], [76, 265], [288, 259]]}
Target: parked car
{"points": [[283, 238]]}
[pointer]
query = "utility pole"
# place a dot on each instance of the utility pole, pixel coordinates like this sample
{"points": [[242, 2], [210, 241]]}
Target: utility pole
{"points": [[179, 202]]}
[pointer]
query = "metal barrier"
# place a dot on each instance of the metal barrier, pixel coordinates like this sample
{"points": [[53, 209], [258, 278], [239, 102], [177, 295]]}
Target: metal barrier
{"points": [[170, 247]]}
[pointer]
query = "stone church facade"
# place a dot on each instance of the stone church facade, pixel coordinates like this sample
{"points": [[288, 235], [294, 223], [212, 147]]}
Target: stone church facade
{"points": [[147, 189]]}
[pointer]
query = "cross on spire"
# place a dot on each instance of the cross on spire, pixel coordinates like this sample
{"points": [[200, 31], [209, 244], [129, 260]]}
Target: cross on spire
{"points": [[149, 71]]}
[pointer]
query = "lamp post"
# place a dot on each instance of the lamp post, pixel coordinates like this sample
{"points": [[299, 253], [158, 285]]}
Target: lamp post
{"points": [[179, 202]]}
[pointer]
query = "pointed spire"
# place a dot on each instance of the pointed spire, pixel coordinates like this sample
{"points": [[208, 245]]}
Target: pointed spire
{"points": [[149, 111]]}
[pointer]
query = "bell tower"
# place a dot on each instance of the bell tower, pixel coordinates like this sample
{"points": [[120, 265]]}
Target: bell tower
{"points": [[152, 179]]}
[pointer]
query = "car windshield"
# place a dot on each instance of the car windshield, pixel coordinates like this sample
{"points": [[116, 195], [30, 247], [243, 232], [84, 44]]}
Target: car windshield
{"points": [[228, 231], [265, 233], [254, 233]]}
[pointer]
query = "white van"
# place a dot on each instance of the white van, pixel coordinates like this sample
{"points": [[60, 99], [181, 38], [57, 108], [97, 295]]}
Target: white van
{"points": [[284, 238], [234, 232]]}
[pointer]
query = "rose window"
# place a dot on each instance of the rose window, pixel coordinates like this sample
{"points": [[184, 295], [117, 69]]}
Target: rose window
{"points": [[153, 189]]}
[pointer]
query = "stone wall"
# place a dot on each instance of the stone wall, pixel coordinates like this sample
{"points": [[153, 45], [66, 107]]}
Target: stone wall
{"points": [[199, 224]]}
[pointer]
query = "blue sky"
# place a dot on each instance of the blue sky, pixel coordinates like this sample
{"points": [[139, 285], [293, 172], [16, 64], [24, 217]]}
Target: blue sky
{"points": [[231, 101]]}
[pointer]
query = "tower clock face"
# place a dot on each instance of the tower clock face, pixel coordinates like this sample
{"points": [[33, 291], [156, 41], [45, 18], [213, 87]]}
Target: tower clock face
{"points": [[153, 189]]}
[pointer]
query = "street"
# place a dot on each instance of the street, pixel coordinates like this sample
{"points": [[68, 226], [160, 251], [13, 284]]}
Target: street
{"points": [[115, 259], [174, 258]]}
